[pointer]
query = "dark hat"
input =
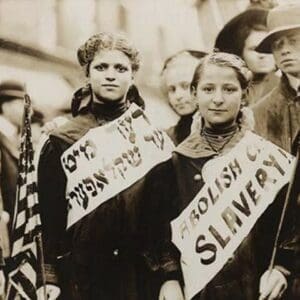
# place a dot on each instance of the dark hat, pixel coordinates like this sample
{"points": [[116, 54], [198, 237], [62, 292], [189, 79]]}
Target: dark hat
{"points": [[11, 89], [232, 37], [281, 19]]}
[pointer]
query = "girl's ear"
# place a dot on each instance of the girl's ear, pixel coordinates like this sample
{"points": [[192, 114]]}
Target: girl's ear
{"points": [[244, 101], [193, 91]]}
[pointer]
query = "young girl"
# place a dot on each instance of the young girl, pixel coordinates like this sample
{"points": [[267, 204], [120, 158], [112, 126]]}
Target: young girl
{"points": [[101, 255], [219, 86], [177, 74]]}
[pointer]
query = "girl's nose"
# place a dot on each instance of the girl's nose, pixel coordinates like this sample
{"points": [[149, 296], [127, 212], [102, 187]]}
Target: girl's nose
{"points": [[179, 94], [110, 74], [218, 98]]}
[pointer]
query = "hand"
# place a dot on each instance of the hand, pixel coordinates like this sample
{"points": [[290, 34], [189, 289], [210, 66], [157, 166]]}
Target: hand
{"points": [[171, 290], [52, 291], [272, 285], [2, 283]]}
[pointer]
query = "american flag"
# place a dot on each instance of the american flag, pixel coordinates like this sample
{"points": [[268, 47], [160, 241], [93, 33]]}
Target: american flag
{"points": [[26, 273]]}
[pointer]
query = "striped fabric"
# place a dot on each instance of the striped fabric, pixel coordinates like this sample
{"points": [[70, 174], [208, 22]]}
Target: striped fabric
{"points": [[26, 271]]}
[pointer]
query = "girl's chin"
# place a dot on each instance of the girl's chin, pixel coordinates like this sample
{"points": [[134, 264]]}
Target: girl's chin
{"points": [[220, 123]]}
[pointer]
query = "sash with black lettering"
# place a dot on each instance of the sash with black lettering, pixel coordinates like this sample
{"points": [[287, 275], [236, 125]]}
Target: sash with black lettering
{"points": [[109, 159], [239, 186]]}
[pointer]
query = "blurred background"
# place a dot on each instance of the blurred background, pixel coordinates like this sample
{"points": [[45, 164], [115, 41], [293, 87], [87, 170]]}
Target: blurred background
{"points": [[39, 40]]}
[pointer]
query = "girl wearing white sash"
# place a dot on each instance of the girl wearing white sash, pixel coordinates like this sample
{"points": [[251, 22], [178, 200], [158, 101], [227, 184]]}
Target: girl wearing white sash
{"points": [[100, 256], [219, 86]]}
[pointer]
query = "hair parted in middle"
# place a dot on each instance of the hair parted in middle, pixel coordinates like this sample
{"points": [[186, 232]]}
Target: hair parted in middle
{"points": [[107, 41], [223, 59]]}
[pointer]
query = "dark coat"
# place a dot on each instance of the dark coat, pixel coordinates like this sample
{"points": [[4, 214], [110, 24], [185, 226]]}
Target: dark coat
{"points": [[171, 186], [181, 130], [102, 254], [8, 184], [259, 89], [277, 116], [9, 173]]}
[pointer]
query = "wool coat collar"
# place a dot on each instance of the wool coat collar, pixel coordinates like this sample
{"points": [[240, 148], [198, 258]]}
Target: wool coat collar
{"points": [[196, 146]]}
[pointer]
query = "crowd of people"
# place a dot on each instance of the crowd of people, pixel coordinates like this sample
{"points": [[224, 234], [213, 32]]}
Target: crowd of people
{"points": [[196, 211]]}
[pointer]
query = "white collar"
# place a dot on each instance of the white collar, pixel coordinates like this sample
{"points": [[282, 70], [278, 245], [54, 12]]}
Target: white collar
{"points": [[7, 128], [294, 82]]}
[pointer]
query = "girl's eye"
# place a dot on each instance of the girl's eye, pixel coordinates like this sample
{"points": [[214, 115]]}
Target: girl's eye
{"points": [[100, 67], [171, 89], [208, 89], [121, 68], [185, 85], [229, 89]]}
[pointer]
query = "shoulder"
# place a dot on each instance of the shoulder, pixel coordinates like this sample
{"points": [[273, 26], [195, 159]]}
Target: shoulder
{"points": [[161, 170], [268, 106], [75, 128], [267, 101]]}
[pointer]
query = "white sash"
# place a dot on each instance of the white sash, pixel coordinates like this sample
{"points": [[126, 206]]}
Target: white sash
{"points": [[239, 187], [109, 159]]}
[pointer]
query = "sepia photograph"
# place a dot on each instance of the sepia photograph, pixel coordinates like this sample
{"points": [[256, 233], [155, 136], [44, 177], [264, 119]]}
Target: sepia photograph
{"points": [[149, 149]]}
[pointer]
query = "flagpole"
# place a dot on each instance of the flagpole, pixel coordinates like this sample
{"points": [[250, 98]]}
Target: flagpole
{"points": [[39, 236], [285, 205]]}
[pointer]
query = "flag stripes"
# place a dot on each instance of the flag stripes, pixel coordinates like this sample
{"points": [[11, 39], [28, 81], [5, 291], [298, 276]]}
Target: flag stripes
{"points": [[26, 271]]}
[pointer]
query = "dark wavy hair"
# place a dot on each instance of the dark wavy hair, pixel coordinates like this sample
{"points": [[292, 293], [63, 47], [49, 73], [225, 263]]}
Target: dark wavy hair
{"points": [[107, 41]]}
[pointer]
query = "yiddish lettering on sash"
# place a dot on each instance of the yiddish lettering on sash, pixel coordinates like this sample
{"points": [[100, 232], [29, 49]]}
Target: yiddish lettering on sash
{"points": [[97, 171]]}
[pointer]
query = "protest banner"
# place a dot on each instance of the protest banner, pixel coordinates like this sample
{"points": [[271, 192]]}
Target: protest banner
{"points": [[239, 186], [109, 159]]}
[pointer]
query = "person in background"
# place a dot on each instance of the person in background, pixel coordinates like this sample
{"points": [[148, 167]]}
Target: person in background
{"points": [[240, 36], [176, 76], [278, 114], [100, 256], [219, 86], [11, 114]]}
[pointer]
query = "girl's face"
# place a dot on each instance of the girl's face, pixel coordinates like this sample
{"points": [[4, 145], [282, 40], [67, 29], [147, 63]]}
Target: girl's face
{"points": [[110, 75], [219, 95], [178, 77], [260, 63]]}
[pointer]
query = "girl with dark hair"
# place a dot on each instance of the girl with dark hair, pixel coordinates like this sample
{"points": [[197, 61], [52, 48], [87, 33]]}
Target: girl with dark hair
{"points": [[240, 36], [219, 85], [100, 256]]}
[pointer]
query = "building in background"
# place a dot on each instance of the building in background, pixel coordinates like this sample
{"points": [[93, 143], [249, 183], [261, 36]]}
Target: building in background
{"points": [[49, 32]]}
